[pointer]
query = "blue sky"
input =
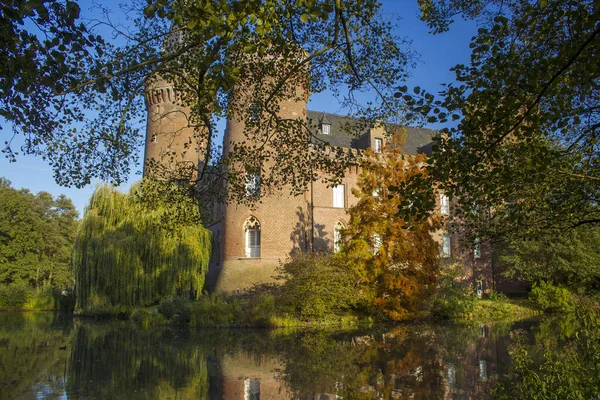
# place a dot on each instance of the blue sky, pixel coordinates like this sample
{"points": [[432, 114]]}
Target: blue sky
{"points": [[438, 53]]}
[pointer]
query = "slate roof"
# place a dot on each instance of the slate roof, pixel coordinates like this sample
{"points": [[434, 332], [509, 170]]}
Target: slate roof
{"points": [[341, 133]]}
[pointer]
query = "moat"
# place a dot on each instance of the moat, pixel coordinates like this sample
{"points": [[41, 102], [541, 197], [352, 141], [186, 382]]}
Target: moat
{"points": [[51, 356]]}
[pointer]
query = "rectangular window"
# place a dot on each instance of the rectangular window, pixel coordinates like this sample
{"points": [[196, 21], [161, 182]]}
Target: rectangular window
{"points": [[251, 389], [446, 249], [479, 288], [337, 239], [154, 138], [451, 375], [378, 145], [483, 369], [477, 249], [253, 185], [377, 243], [444, 205], [325, 129], [338, 196]]}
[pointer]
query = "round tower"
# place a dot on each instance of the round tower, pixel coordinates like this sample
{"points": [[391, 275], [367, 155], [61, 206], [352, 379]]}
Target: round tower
{"points": [[254, 239], [173, 147]]}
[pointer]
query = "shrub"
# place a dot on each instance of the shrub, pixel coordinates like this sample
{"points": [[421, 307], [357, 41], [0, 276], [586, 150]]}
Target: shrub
{"points": [[175, 308], [44, 301], [453, 297], [146, 318], [551, 298], [549, 371], [14, 295], [317, 284], [258, 309], [498, 297], [214, 311]]}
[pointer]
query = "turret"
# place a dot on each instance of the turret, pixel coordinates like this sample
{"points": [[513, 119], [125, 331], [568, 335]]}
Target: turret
{"points": [[173, 147], [253, 240]]}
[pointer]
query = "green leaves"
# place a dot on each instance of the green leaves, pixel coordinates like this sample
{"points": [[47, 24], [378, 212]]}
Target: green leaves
{"points": [[36, 237], [523, 149], [148, 244]]}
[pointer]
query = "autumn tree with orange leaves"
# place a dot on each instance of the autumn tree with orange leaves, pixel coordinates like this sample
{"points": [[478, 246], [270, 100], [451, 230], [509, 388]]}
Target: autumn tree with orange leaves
{"points": [[394, 252]]}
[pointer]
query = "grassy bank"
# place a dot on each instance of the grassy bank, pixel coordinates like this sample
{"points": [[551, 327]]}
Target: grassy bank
{"points": [[279, 306], [490, 310], [249, 312], [260, 311]]}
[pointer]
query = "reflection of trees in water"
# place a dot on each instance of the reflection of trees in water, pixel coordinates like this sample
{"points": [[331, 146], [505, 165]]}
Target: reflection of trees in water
{"points": [[119, 360], [383, 365], [33, 353], [418, 362]]}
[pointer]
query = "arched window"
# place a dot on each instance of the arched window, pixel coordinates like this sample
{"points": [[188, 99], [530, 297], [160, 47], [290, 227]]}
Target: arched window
{"points": [[252, 231], [337, 236]]}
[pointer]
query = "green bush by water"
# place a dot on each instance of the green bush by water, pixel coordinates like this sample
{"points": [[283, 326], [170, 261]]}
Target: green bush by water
{"points": [[20, 296], [175, 308], [547, 370], [317, 284], [14, 295], [454, 297], [552, 299]]}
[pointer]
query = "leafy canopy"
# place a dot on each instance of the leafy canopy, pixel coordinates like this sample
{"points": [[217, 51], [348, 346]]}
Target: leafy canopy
{"points": [[36, 237], [238, 59], [521, 157], [124, 257], [571, 259]]}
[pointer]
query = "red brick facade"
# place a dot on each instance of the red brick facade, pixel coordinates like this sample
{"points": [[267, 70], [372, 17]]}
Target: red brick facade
{"points": [[287, 224]]}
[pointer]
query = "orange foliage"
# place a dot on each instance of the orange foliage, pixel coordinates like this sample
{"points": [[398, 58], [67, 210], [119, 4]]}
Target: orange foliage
{"points": [[400, 274]]}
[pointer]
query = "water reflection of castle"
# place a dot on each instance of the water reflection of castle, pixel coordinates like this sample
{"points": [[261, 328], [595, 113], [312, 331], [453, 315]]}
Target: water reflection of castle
{"points": [[466, 374], [121, 360]]}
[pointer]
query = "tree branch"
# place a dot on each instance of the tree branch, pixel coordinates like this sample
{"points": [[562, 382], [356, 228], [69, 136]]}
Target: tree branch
{"points": [[547, 86]]}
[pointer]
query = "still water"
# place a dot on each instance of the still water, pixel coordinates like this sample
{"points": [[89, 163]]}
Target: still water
{"points": [[48, 356]]}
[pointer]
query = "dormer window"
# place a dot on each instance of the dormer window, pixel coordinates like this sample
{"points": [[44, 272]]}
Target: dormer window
{"points": [[325, 129]]}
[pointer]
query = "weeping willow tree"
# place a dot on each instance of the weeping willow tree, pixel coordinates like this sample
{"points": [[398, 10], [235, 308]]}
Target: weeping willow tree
{"points": [[133, 249]]}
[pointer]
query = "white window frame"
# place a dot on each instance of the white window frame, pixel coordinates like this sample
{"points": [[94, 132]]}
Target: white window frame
{"points": [[446, 245], [444, 204], [251, 389], [378, 145], [479, 288], [451, 375], [337, 236], [377, 243], [252, 234], [339, 194], [483, 370], [326, 129], [252, 184], [477, 249]]}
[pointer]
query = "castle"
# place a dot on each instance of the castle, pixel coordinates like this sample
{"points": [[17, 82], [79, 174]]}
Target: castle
{"points": [[249, 242]]}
